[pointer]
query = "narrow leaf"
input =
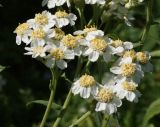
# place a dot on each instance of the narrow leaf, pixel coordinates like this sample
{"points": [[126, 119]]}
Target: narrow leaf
{"points": [[154, 109], [42, 102]]}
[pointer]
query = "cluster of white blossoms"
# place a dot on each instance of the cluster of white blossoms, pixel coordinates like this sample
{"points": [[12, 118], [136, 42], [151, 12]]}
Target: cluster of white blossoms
{"points": [[45, 39], [128, 70]]}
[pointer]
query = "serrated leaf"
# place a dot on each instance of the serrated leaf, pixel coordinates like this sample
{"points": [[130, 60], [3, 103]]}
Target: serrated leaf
{"points": [[44, 2], [154, 109], [43, 102], [2, 68]]}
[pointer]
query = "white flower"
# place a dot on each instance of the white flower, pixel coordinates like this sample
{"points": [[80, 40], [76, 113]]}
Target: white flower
{"points": [[126, 68], [63, 18], [85, 86], [57, 56], [97, 47], [44, 20], [107, 100], [53, 3], [23, 32], [90, 32], [95, 1], [143, 58], [42, 36], [36, 50], [127, 89], [119, 46], [73, 43]]}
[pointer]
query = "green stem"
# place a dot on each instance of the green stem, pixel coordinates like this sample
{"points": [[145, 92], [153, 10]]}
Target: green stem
{"points": [[65, 105], [105, 121], [51, 98], [69, 96], [81, 119], [148, 20]]}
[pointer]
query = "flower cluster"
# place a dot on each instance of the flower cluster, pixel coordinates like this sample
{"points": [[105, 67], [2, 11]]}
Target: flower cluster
{"points": [[45, 40]]}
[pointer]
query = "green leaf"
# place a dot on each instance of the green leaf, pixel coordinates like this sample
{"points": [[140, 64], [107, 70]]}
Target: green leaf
{"points": [[154, 109], [2, 68], [43, 102]]}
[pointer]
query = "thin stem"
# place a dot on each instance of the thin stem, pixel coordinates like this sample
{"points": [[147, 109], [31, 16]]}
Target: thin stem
{"points": [[63, 109], [52, 94], [81, 119], [69, 96], [105, 121], [148, 20]]}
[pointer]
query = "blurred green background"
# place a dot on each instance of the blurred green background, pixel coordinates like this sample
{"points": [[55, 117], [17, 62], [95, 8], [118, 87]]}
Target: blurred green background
{"points": [[26, 79]]}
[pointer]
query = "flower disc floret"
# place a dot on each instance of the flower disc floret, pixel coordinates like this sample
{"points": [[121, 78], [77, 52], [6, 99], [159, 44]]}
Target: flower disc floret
{"points": [[128, 69], [130, 53], [22, 28], [90, 28], [142, 57], [117, 43], [57, 53], [61, 14], [105, 95], [99, 44], [87, 81], [129, 86], [59, 34], [41, 19], [69, 41], [38, 34]]}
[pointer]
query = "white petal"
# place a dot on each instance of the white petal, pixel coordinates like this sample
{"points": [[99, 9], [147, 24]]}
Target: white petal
{"points": [[130, 96], [100, 106], [50, 63], [87, 52], [69, 54], [112, 108], [117, 102], [61, 64], [116, 70], [75, 89], [93, 56], [18, 40], [128, 45], [85, 93]]}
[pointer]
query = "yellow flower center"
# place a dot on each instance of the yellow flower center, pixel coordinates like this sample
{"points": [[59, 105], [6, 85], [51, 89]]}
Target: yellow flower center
{"points": [[117, 43], [129, 86], [61, 14], [99, 44], [142, 57], [59, 34], [69, 41], [128, 69], [22, 28], [38, 49], [130, 53], [87, 81], [90, 28], [57, 53], [41, 19], [79, 37], [105, 95], [38, 34]]}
